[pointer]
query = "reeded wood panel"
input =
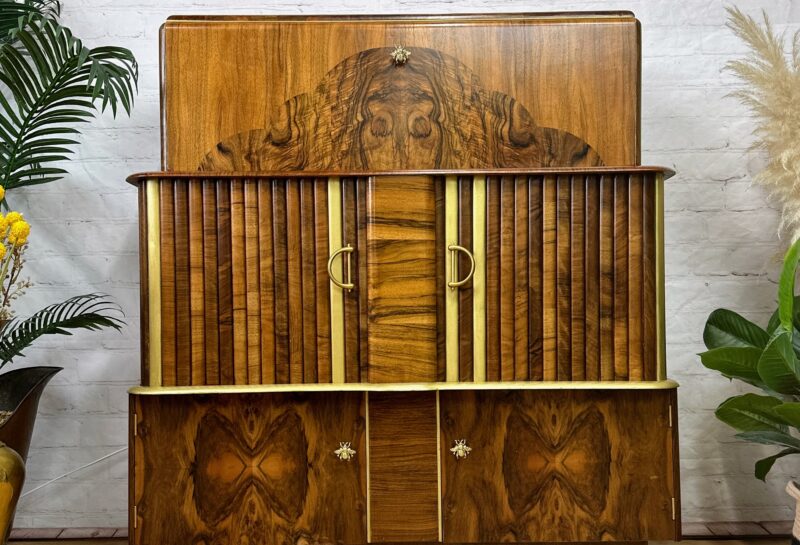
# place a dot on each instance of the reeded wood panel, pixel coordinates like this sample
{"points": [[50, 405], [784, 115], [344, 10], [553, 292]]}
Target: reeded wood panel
{"points": [[454, 104], [403, 466], [549, 466], [394, 319], [571, 277], [257, 469], [245, 291]]}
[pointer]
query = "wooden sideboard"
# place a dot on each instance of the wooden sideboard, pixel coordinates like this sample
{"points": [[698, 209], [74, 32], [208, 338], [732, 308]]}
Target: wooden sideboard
{"points": [[392, 292]]}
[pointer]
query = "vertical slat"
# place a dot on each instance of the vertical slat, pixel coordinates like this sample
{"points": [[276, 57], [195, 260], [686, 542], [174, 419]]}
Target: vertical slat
{"points": [[183, 332], [507, 273], [211, 282], [279, 247], [323, 300], [479, 279], [521, 280], [635, 218], [621, 371], [295, 280], [649, 294], [225, 288], [266, 268], [308, 279], [549, 299], [592, 277], [352, 319], [563, 282], [239, 277], [168, 314], [465, 293], [607, 278], [196, 284], [252, 282], [493, 279], [362, 279], [535, 287], [150, 265], [577, 249], [447, 312]]}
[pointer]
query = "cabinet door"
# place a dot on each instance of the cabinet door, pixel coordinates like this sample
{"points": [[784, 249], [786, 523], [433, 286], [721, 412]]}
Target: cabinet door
{"points": [[394, 317], [248, 468], [564, 465]]}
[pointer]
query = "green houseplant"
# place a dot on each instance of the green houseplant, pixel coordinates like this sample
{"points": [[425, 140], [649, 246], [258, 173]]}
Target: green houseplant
{"points": [[50, 84]]}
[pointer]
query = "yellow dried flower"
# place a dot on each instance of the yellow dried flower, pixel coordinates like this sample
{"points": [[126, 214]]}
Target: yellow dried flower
{"points": [[13, 217], [18, 235], [2, 192], [2, 251], [3, 226]]}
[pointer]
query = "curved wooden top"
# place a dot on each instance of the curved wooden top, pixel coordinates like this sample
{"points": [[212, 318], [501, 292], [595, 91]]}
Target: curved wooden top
{"points": [[437, 18], [139, 177]]}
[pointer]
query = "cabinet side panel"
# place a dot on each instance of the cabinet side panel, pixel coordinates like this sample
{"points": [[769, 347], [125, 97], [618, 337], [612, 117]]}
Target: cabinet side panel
{"points": [[403, 466], [401, 280], [550, 466]]}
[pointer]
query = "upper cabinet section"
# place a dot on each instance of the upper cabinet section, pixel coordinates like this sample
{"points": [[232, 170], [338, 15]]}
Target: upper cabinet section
{"points": [[336, 94]]}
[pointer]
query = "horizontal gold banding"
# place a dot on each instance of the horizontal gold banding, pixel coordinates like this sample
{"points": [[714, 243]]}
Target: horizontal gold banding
{"points": [[153, 281], [667, 384], [337, 303], [451, 294]]}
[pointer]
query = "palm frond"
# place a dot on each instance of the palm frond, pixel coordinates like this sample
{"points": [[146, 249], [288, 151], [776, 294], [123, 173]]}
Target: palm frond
{"points": [[92, 311], [55, 83], [12, 10]]}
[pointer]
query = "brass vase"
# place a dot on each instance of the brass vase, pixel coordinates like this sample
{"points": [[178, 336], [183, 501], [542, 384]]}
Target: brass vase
{"points": [[12, 477]]}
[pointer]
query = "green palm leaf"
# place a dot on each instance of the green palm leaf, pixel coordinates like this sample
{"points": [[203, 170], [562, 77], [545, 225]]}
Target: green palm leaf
{"points": [[93, 311], [12, 10], [52, 83]]}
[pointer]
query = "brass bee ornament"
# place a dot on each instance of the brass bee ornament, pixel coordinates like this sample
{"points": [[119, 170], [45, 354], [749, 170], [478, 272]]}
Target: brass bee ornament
{"points": [[461, 450], [344, 452]]}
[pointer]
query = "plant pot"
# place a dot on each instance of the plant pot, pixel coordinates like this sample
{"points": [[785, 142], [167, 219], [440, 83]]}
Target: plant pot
{"points": [[20, 391], [793, 489]]}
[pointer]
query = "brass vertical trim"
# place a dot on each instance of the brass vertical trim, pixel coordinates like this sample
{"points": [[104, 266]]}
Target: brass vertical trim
{"points": [[366, 431], [154, 281], [451, 294], [479, 278], [439, 467], [336, 294], [661, 343]]}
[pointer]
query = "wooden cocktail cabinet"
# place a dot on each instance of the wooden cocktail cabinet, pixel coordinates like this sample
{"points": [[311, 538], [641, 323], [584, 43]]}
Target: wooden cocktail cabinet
{"points": [[391, 292]]}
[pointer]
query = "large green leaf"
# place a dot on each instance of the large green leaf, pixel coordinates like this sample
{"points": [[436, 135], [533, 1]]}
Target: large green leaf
{"points": [[786, 286], [727, 328], [735, 362], [789, 412], [778, 366], [92, 311], [770, 438], [764, 465], [775, 319], [55, 82], [751, 412]]}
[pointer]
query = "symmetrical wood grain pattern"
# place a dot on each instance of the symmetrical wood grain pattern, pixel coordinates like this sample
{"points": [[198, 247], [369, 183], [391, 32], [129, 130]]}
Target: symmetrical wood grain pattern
{"points": [[257, 469], [571, 278], [245, 292], [403, 466], [455, 102], [394, 319], [558, 466]]}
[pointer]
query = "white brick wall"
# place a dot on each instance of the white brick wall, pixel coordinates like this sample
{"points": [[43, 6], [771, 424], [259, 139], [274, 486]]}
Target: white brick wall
{"points": [[720, 235]]}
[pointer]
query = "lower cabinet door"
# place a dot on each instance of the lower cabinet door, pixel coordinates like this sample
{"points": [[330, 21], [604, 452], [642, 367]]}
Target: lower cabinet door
{"points": [[261, 469], [566, 465]]}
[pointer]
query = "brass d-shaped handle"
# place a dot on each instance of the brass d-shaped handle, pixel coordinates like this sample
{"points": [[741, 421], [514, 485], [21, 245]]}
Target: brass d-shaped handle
{"points": [[347, 284], [454, 282]]}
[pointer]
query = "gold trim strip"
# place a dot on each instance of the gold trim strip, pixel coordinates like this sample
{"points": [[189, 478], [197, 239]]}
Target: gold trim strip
{"points": [[667, 384], [336, 294], [439, 466], [479, 278], [451, 294], [154, 281], [661, 343], [366, 430]]}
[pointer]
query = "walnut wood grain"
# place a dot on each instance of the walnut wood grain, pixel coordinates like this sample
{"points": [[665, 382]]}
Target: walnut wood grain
{"points": [[257, 468], [621, 243], [649, 279], [144, 283], [281, 275], [239, 277], [493, 328], [465, 293], [169, 372], [183, 333], [607, 346], [196, 284], [266, 268], [319, 275], [550, 466], [592, 277], [353, 317], [578, 253], [401, 269], [337, 105], [225, 287], [403, 459], [210, 291], [252, 282], [563, 278]]}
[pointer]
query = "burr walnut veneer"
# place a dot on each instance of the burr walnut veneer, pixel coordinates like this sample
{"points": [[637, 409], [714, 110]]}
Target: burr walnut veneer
{"points": [[402, 281]]}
